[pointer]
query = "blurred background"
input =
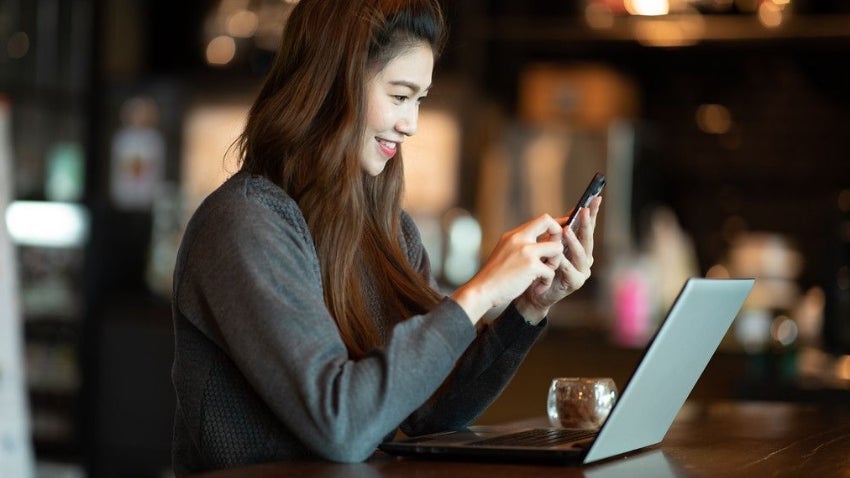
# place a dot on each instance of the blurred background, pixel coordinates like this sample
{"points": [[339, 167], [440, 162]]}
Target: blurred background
{"points": [[722, 126]]}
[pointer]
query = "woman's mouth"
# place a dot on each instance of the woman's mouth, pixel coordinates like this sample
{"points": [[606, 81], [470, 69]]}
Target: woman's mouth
{"points": [[388, 148]]}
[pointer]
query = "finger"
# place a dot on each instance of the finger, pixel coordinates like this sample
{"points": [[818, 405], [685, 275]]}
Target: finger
{"points": [[545, 277], [571, 240], [556, 261], [577, 270], [577, 250], [543, 224], [547, 251], [588, 226], [573, 278], [562, 221], [587, 215], [595, 204], [570, 273]]}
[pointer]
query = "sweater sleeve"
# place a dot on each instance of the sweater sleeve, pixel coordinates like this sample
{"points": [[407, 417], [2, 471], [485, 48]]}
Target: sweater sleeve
{"points": [[248, 279], [483, 371]]}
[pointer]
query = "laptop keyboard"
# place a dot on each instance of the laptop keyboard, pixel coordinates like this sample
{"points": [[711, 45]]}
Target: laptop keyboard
{"points": [[537, 437]]}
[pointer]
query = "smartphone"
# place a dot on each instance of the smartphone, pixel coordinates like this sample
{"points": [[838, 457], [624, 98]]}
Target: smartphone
{"points": [[593, 190]]}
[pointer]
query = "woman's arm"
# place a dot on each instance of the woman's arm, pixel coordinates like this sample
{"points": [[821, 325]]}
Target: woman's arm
{"points": [[249, 280], [483, 371], [479, 377]]}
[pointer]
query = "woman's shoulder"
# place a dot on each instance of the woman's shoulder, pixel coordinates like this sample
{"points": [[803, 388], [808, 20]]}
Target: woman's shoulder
{"points": [[245, 203], [244, 195], [244, 189]]}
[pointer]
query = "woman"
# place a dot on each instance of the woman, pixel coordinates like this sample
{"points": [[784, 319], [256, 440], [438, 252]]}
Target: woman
{"points": [[306, 321]]}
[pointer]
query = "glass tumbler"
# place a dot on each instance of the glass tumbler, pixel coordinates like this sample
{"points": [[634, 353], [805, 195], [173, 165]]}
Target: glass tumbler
{"points": [[580, 402]]}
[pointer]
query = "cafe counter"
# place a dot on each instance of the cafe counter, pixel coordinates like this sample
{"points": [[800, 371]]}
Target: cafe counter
{"points": [[707, 439]]}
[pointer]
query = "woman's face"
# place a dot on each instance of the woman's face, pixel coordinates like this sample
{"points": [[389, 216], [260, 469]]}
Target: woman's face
{"points": [[392, 105]]}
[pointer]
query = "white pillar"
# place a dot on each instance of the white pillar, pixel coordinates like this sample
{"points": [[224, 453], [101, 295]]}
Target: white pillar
{"points": [[16, 458]]}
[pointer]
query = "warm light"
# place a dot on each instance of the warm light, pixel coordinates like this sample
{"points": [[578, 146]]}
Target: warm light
{"points": [[209, 130], [431, 160], [47, 224], [598, 17], [718, 271], [671, 31], [714, 119], [221, 50], [242, 24], [842, 368], [647, 7], [768, 255], [770, 14], [259, 22], [18, 45]]}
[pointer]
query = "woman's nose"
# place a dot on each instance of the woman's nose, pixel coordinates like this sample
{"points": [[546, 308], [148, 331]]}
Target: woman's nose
{"points": [[407, 124]]}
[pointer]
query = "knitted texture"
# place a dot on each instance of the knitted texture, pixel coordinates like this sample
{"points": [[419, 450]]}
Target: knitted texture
{"points": [[260, 371]]}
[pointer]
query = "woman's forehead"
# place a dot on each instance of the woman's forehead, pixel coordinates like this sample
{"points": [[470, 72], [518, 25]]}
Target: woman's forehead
{"points": [[412, 67]]}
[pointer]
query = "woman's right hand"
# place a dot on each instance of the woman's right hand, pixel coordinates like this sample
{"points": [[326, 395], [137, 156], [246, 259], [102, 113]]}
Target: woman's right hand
{"points": [[531, 252]]}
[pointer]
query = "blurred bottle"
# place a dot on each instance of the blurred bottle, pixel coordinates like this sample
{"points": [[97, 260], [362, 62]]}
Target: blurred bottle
{"points": [[462, 246], [138, 156], [65, 172], [644, 284]]}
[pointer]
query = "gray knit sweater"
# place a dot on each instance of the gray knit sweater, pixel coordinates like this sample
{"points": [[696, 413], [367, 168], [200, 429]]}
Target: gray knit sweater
{"points": [[260, 371]]}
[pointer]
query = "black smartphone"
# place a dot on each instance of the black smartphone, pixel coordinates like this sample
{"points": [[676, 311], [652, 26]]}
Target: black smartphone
{"points": [[593, 190]]}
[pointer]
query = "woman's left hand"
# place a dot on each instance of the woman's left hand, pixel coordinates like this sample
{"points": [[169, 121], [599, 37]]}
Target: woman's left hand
{"points": [[571, 271]]}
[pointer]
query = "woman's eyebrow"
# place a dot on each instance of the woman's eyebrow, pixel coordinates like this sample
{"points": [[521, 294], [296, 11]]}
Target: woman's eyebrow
{"points": [[412, 86]]}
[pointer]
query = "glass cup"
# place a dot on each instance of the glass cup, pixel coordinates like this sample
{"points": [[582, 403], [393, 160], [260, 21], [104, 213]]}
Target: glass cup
{"points": [[580, 402]]}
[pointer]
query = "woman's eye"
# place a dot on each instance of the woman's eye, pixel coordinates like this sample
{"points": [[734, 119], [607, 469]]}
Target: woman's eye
{"points": [[400, 98]]}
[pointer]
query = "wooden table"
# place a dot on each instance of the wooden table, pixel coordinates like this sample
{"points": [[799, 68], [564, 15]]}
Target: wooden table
{"points": [[718, 439]]}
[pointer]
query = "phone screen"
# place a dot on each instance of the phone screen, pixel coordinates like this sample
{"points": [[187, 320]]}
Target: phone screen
{"points": [[593, 190]]}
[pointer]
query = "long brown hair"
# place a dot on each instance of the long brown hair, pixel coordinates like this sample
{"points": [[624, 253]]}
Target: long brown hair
{"points": [[304, 132]]}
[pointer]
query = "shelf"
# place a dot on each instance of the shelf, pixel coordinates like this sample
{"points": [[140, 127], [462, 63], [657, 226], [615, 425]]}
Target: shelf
{"points": [[566, 31]]}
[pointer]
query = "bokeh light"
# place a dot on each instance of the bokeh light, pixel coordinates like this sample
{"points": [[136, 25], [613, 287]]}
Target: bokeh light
{"points": [[221, 50], [714, 119], [242, 24]]}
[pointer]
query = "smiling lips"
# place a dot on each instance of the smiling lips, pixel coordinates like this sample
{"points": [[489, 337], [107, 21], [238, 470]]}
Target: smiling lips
{"points": [[388, 148]]}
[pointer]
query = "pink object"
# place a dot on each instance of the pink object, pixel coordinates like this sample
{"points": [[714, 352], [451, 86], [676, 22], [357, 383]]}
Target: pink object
{"points": [[631, 310]]}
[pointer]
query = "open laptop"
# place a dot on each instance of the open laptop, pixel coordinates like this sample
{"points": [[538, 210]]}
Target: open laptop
{"points": [[670, 367]]}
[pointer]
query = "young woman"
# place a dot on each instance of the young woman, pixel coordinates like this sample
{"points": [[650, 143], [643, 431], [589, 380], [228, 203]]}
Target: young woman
{"points": [[307, 322]]}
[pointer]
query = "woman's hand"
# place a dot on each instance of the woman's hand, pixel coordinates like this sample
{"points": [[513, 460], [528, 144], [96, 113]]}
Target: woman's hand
{"points": [[572, 271], [526, 256]]}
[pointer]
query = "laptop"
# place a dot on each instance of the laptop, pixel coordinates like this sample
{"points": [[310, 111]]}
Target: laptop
{"points": [[670, 367]]}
